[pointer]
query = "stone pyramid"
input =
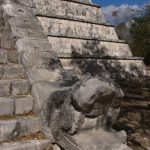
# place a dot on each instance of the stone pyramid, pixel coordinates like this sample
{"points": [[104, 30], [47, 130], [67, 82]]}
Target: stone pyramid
{"points": [[46, 47]]}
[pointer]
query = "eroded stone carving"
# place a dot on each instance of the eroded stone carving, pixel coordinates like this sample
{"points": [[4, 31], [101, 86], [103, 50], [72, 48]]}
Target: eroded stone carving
{"points": [[91, 105]]}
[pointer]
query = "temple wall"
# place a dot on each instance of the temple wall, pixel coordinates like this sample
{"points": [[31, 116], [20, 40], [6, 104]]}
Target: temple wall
{"points": [[66, 9], [79, 47], [68, 28]]}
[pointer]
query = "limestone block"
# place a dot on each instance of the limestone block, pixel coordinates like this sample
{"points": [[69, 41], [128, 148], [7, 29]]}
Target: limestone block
{"points": [[99, 140], [10, 129], [134, 117], [34, 125], [40, 59], [94, 87], [6, 106], [13, 57], [7, 43], [106, 67], [77, 47], [67, 9], [30, 145], [4, 88], [141, 139], [28, 3], [41, 92], [41, 74], [20, 87], [29, 44], [67, 28], [89, 124], [23, 105], [3, 57], [14, 72], [55, 147], [26, 27], [14, 9], [1, 71]]}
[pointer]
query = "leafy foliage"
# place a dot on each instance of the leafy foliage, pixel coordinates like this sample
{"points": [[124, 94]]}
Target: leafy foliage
{"points": [[140, 31]]}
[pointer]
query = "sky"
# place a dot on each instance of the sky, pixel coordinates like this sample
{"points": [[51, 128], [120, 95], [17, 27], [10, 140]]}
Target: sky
{"points": [[105, 3], [123, 7]]}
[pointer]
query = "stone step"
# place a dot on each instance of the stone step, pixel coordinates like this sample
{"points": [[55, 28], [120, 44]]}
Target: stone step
{"points": [[17, 127], [137, 94], [23, 145], [69, 10], [14, 87], [135, 104], [74, 29], [106, 67], [82, 47], [16, 105], [12, 71]]}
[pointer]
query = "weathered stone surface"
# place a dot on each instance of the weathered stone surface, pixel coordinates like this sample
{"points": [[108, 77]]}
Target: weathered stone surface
{"points": [[30, 145], [26, 27], [99, 140], [68, 10], [15, 106], [41, 74], [93, 94], [4, 88], [55, 147], [29, 44], [6, 106], [10, 129], [45, 60], [23, 105], [14, 10], [7, 43], [20, 87], [13, 72], [66, 111], [67, 28], [13, 57], [106, 67], [141, 139], [41, 91], [1, 71], [83, 48], [88, 106], [3, 57]]}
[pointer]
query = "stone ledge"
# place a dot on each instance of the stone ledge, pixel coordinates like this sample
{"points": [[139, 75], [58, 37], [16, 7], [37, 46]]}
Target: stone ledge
{"points": [[73, 19], [61, 56], [22, 145], [83, 3], [92, 39]]}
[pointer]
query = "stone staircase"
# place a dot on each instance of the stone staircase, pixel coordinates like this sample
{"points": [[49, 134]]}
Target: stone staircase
{"points": [[135, 114], [20, 127], [50, 37]]}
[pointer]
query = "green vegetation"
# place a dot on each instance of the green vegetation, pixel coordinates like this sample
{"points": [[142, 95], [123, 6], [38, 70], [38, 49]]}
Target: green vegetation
{"points": [[140, 31], [137, 34]]}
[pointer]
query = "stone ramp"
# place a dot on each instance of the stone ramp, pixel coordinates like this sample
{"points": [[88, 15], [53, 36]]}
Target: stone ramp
{"points": [[18, 121]]}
